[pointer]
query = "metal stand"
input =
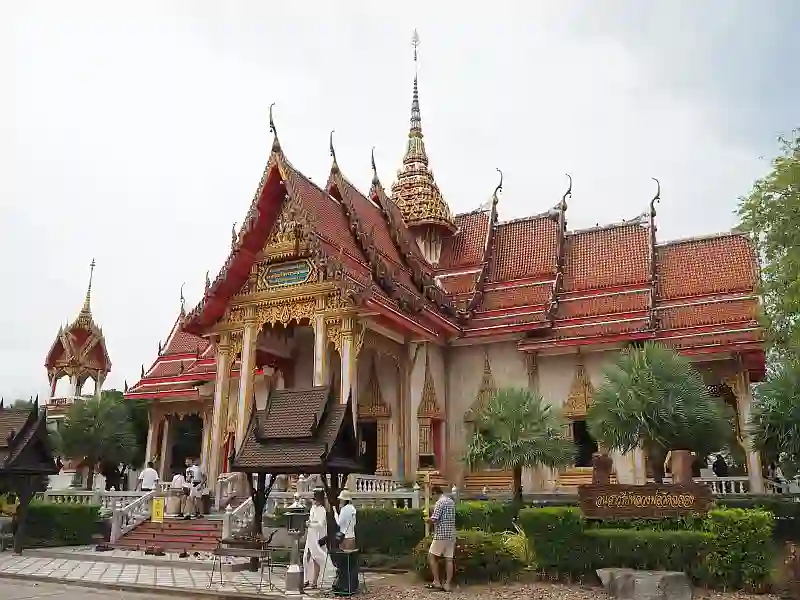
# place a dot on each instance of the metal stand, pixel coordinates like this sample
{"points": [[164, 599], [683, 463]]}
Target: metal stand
{"points": [[264, 555]]}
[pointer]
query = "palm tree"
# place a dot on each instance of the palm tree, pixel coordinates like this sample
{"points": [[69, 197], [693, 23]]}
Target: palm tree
{"points": [[775, 419], [98, 430], [514, 430], [654, 398]]}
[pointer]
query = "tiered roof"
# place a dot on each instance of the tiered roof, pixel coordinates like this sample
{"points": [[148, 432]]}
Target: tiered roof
{"points": [[80, 347], [24, 446]]}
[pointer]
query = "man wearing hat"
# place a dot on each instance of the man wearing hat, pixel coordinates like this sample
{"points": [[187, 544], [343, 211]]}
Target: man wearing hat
{"points": [[346, 520]]}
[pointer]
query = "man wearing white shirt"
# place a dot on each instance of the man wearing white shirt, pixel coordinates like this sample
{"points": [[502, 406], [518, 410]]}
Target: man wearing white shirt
{"points": [[346, 519], [148, 479]]}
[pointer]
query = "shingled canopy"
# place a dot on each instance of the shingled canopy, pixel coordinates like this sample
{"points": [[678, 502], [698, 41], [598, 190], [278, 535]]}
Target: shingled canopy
{"points": [[300, 431], [26, 459]]}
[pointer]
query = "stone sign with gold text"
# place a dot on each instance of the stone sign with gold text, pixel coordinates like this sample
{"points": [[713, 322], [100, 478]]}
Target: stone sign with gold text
{"points": [[651, 501]]}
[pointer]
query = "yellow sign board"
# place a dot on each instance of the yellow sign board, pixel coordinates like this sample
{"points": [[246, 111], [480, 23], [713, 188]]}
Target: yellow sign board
{"points": [[157, 511]]}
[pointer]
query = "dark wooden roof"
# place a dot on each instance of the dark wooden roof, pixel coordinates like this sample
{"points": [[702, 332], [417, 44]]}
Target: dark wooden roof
{"points": [[300, 431], [24, 444]]}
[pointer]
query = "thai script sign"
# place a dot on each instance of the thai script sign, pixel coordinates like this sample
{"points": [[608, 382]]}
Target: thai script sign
{"points": [[651, 501], [285, 274]]}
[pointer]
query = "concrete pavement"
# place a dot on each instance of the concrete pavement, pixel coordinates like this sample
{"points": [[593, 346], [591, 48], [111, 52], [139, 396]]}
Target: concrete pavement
{"points": [[31, 590]]}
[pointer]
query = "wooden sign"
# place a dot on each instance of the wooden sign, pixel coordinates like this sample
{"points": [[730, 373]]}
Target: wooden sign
{"points": [[157, 510], [651, 501]]}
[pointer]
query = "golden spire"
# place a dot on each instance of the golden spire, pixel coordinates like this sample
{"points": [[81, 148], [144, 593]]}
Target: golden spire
{"points": [[415, 192], [84, 318]]}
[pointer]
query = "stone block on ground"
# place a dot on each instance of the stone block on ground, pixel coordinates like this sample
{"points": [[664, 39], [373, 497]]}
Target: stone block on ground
{"points": [[630, 584]]}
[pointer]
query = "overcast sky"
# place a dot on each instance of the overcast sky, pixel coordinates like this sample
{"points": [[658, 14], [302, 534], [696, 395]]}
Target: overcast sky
{"points": [[137, 137]]}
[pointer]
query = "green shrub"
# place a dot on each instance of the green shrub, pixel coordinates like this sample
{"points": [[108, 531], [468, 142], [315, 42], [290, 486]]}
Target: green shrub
{"points": [[730, 548], [687, 523], [488, 516], [555, 534], [479, 557], [786, 511], [60, 524], [389, 531], [743, 550], [659, 550]]}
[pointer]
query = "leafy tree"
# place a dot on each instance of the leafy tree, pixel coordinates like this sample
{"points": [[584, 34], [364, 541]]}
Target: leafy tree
{"points": [[99, 430], [516, 429], [654, 398], [775, 418], [770, 213]]}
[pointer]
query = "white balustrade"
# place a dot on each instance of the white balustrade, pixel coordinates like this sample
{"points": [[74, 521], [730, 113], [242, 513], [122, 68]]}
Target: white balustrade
{"points": [[373, 484], [127, 516]]}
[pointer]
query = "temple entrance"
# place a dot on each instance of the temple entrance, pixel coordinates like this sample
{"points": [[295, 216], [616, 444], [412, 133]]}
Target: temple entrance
{"points": [[585, 444], [368, 440], [188, 436]]}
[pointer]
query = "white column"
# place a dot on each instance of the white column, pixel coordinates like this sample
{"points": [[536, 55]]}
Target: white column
{"points": [[74, 383], [346, 355], [246, 381], [217, 414], [151, 438], [744, 400], [320, 350]]}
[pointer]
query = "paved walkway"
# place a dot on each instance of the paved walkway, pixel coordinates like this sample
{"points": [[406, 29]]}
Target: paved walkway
{"points": [[30, 590], [133, 575]]}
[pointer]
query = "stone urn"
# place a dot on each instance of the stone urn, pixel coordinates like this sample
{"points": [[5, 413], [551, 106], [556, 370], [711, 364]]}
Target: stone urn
{"points": [[681, 467], [602, 467]]}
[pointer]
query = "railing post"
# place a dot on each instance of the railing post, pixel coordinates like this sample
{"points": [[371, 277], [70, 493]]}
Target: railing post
{"points": [[97, 498], [454, 493], [416, 501], [227, 519], [116, 523]]}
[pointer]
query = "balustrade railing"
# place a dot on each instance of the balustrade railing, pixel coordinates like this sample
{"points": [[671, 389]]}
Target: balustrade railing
{"points": [[126, 517]]}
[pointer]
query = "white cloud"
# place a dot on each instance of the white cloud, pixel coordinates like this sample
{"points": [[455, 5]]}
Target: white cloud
{"points": [[138, 137]]}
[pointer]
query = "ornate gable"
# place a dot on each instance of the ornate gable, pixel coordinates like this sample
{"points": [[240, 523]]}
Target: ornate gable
{"points": [[429, 406], [370, 403], [581, 394], [485, 392]]}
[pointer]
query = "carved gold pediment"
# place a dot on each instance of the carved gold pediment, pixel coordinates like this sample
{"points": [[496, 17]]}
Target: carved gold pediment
{"points": [[287, 237], [485, 391], [581, 394], [370, 403], [429, 405]]}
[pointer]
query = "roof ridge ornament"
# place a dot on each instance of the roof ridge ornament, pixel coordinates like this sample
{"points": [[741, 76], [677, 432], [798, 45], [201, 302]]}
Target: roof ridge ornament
{"points": [[335, 166], [276, 144], [655, 200], [375, 179], [567, 194], [498, 189], [183, 301]]}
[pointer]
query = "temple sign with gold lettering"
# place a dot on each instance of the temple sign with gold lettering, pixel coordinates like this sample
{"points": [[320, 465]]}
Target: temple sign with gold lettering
{"points": [[651, 501]]}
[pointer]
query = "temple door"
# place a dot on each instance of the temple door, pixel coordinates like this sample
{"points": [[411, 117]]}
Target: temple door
{"points": [[374, 418]]}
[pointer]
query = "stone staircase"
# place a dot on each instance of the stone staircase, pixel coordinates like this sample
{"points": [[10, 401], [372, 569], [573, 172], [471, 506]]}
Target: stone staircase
{"points": [[195, 535], [570, 479], [495, 482]]}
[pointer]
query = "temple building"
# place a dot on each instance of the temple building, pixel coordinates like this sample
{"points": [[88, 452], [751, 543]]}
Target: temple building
{"points": [[77, 357], [416, 316]]}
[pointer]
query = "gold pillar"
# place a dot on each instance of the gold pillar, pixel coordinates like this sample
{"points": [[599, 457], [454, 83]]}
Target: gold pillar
{"points": [[320, 347], [246, 380], [346, 356], [218, 412], [166, 450], [152, 429]]}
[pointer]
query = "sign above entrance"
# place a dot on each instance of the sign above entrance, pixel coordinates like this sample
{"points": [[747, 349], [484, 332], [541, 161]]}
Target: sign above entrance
{"points": [[284, 274], [651, 501]]}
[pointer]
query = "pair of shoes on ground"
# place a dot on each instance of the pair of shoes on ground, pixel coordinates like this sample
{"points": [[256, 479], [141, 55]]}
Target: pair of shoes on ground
{"points": [[438, 587]]}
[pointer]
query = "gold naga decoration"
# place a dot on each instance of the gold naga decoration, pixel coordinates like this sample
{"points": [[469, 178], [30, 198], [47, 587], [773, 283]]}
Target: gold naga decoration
{"points": [[485, 391], [581, 394]]}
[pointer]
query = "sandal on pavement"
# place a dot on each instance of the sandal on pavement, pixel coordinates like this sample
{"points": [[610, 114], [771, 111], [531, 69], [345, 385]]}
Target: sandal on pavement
{"points": [[432, 586]]}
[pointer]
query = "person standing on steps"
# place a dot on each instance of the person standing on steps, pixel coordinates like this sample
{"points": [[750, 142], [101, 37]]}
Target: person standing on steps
{"points": [[196, 491], [148, 479], [443, 546]]}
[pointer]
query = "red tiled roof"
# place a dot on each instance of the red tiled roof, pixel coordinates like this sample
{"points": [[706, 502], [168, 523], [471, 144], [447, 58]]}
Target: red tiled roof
{"points": [[525, 248], [712, 265], [708, 313], [607, 257], [465, 248], [619, 302], [461, 283], [531, 294]]}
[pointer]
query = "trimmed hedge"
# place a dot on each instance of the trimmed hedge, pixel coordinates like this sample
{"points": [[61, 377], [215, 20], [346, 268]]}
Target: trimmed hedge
{"points": [[479, 557], [490, 517], [51, 524], [730, 548], [389, 531]]}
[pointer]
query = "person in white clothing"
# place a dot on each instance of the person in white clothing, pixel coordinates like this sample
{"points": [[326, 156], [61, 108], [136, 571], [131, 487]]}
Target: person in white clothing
{"points": [[315, 556], [177, 497], [148, 479], [346, 519]]}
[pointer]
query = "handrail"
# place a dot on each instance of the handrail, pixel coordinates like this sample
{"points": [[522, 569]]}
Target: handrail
{"points": [[236, 519], [129, 516]]}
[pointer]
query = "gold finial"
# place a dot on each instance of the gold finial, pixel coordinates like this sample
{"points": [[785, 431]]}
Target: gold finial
{"points": [[208, 281], [498, 189], [375, 179], [415, 44], [567, 194], [656, 198], [85, 315], [183, 301], [233, 236], [276, 145], [333, 151]]}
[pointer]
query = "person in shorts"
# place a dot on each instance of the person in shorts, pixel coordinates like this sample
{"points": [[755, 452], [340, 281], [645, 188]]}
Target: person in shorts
{"points": [[443, 546]]}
